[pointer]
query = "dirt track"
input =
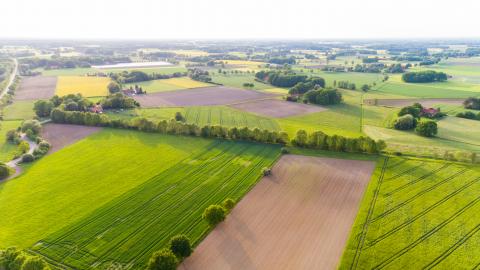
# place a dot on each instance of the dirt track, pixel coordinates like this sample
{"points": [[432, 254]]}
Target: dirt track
{"points": [[218, 95], [60, 135], [426, 102], [277, 108], [36, 87], [298, 218]]}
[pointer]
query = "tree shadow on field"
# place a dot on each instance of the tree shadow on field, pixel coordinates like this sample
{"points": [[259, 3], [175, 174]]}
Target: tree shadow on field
{"points": [[232, 251]]}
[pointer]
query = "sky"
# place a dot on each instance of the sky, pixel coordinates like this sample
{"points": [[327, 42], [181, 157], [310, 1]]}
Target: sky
{"points": [[239, 19]]}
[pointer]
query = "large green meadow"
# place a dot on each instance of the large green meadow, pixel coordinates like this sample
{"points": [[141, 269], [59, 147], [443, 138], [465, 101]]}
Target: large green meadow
{"points": [[417, 214], [118, 196]]}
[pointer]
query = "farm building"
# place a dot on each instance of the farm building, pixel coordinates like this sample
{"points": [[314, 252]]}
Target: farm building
{"points": [[97, 108]]}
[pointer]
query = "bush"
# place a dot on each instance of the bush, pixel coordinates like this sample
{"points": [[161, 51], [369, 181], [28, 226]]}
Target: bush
{"points": [[43, 108], [163, 259], [472, 103], [180, 246], [33, 125], [27, 158], [23, 147], [427, 128], [228, 204], [214, 214], [413, 110], [113, 87], [284, 150], [468, 115], [405, 122], [179, 117], [266, 171], [4, 171], [34, 263]]}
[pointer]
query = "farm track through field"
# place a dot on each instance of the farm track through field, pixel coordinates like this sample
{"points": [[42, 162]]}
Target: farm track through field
{"points": [[427, 235], [413, 182], [454, 247], [423, 213], [420, 193], [363, 232], [142, 217], [394, 177]]}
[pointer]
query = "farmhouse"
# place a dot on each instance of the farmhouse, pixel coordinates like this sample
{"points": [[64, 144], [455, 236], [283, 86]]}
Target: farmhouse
{"points": [[97, 108], [430, 112]]}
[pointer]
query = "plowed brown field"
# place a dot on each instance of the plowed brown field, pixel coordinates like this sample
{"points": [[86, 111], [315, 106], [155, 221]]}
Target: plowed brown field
{"points": [[297, 218]]}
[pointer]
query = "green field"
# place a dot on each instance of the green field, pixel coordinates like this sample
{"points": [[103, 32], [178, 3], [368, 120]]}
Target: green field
{"points": [[417, 214], [203, 115], [137, 205], [7, 150], [237, 81], [460, 129], [19, 110]]}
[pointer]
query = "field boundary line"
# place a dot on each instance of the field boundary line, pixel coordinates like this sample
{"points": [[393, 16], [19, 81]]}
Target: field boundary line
{"points": [[363, 233]]}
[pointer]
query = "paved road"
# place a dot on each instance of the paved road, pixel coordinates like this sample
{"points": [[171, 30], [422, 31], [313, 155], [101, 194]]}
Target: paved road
{"points": [[12, 79], [14, 163]]}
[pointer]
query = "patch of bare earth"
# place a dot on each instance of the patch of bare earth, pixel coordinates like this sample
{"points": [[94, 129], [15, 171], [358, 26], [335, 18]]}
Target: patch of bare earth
{"points": [[62, 135], [298, 218], [426, 102], [36, 87], [204, 96], [277, 108]]}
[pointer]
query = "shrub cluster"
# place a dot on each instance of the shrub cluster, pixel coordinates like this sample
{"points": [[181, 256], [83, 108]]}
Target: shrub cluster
{"points": [[13, 259], [309, 84], [346, 85], [140, 76], [280, 79], [427, 128], [320, 140], [472, 103], [328, 96], [468, 115], [424, 76]]}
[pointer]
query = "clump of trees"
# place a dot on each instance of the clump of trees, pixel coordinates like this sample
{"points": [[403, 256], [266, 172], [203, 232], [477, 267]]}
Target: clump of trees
{"points": [[282, 60], [468, 115], [320, 140], [328, 96], [427, 128], [280, 79], [424, 76], [140, 76], [119, 101], [248, 85], [43, 108], [346, 85], [199, 75], [405, 122], [114, 87], [472, 103], [13, 259], [307, 85]]}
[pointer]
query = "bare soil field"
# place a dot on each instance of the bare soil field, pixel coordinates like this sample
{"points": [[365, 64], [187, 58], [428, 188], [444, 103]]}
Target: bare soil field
{"points": [[37, 87], [218, 95], [300, 217], [277, 108], [60, 135], [427, 102]]}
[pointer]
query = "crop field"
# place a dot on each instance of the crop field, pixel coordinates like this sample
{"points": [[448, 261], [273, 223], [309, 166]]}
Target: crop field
{"points": [[87, 86], [417, 214], [426, 102], [62, 135], [84, 71], [410, 143], [127, 229], [453, 109], [37, 87], [218, 95], [454, 128], [237, 81], [19, 110], [7, 150], [278, 108], [183, 83], [449, 89], [354, 77], [306, 207], [344, 118]]}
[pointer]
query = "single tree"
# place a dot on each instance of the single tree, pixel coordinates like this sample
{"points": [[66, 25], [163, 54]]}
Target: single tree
{"points": [[214, 214], [163, 259], [180, 246]]}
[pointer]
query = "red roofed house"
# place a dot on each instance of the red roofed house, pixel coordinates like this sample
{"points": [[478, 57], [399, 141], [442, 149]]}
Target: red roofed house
{"points": [[430, 112], [97, 108]]}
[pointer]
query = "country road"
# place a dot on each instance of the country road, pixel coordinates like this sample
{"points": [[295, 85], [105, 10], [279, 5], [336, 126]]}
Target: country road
{"points": [[12, 79]]}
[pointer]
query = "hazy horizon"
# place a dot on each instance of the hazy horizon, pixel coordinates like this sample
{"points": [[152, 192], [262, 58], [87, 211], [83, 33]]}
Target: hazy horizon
{"points": [[249, 19]]}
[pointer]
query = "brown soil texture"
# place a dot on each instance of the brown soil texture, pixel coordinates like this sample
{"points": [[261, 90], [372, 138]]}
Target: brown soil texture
{"points": [[298, 218], [62, 135], [426, 102], [204, 96], [277, 108], [37, 87]]}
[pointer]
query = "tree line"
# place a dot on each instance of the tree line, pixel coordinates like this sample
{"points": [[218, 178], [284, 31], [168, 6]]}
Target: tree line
{"points": [[174, 127]]}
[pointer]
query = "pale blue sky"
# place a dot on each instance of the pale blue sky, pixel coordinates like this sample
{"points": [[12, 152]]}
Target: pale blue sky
{"points": [[172, 19]]}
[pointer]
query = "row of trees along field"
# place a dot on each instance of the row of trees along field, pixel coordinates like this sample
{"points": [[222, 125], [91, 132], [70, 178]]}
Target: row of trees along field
{"points": [[180, 128]]}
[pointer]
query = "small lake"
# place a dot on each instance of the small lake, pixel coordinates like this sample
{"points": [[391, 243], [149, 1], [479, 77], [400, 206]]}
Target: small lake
{"points": [[135, 65]]}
